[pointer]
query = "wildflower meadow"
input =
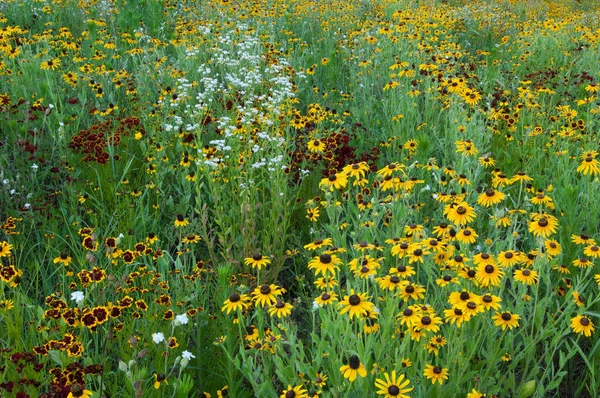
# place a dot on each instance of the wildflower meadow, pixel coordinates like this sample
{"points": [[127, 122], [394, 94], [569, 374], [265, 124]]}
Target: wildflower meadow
{"points": [[299, 198]]}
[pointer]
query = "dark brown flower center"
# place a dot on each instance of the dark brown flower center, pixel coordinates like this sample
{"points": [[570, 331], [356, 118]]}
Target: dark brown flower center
{"points": [[464, 296], [437, 370], [354, 300], [354, 362], [487, 298], [393, 390], [584, 321], [234, 298], [506, 316], [426, 320], [257, 257], [526, 272], [461, 210], [265, 289], [394, 279], [489, 269], [325, 258], [325, 296], [543, 222]]}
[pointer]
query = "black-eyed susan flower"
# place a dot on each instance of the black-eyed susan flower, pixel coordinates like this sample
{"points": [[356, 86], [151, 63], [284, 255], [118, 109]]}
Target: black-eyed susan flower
{"points": [[416, 253], [312, 213], [508, 258], [435, 373], [589, 164], [390, 168], [353, 369], [78, 391], [180, 221], [456, 315], [583, 325], [409, 316], [459, 213], [159, 378], [521, 177], [356, 170], [526, 276], [543, 226], [316, 146], [466, 236], [553, 248], [428, 323], [326, 298], [5, 249], [294, 392], [583, 262], [394, 386], [6, 305], [356, 304], [442, 230], [592, 251], [325, 264], [63, 258], [334, 181], [257, 261], [490, 197], [151, 238], [326, 282], [506, 320], [236, 302], [475, 394], [484, 258], [390, 282], [319, 243], [266, 295], [412, 291], [446, 280], [280, 309], [489, 301], [223, 392], [191, 238], [582, 239]]}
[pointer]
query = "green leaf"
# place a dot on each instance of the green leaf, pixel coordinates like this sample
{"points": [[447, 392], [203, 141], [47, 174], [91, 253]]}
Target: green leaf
{"points": [[528, 389], [56, 357]]}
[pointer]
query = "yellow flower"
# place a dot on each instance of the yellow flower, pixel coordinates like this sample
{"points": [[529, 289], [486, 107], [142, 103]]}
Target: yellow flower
{"points": [[506, 320], [353, 369], [5, 249], [435, 374], [394, 386], [257, 261], [356, 304], [180, 221], [583, 325], [77, 391], [280, 309]]}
